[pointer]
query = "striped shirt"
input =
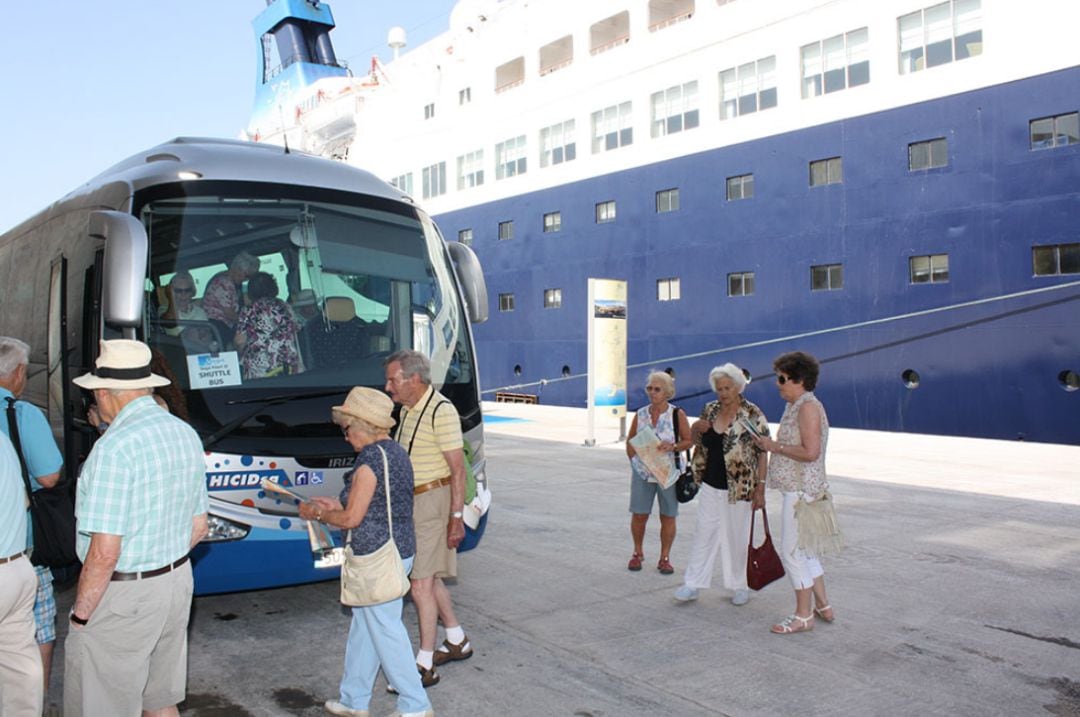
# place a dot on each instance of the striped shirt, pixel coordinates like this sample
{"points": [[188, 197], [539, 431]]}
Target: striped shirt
{"points": [[427, 430], [144, 481]]}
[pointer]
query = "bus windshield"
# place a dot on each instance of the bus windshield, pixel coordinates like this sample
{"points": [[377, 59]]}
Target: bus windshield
{"points": [[290, 296]]}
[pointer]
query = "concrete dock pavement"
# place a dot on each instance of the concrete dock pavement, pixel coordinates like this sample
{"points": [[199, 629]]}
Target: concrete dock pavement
{"points": [[958, 595]]}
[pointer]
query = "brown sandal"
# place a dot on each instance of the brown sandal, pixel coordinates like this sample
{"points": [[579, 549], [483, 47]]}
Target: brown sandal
{"points": [[664, 566], [635, 562]]}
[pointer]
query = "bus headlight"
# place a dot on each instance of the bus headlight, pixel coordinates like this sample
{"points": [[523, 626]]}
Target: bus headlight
{"points": [[222, 529]]}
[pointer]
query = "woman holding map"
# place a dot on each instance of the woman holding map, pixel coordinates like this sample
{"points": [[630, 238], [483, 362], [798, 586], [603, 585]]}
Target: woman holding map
{"points": [[651, 446]]}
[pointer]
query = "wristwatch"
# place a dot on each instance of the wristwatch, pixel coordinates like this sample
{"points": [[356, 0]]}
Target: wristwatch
{"points": [[76, 619], [457, 514]]}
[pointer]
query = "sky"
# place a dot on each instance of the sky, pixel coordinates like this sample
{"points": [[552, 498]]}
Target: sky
{"points": [[91, 83]]}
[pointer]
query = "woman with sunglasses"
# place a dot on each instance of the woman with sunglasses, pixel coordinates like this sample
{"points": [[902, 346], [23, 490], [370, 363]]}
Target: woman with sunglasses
{"points": [[644, 488], [797, 469]]}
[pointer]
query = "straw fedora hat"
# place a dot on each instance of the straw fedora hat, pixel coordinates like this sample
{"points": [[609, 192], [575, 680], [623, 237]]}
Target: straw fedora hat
{"points": [[367, 404], [121, 364]]}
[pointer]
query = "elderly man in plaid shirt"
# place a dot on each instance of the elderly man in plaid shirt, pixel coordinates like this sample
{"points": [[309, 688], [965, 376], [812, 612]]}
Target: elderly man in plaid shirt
{"points": [[141, 506]]}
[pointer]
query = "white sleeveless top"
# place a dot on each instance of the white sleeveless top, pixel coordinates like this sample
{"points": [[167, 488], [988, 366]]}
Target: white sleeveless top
{"points": [[792, 476]]}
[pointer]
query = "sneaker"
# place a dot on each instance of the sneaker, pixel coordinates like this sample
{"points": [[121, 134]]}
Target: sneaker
{"points": [[336, 708], [450, 652], [425, 713], [741, 597], [686, 594]]}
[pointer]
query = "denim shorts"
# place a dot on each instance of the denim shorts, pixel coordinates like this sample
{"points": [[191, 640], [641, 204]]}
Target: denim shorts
{"points": [[643, 492]]}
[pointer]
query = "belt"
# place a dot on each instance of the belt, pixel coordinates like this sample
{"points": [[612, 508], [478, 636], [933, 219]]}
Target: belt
{"points": [[16, 556], [149, 573], [425, 487]]}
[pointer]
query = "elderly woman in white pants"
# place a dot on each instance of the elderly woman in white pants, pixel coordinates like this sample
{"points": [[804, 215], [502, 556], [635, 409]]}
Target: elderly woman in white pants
{"points": [[732, 478], [797, 469]]}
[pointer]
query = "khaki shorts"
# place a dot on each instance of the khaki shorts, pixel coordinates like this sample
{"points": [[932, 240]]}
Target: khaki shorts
{"points": [[132, 656], [431, 515]]}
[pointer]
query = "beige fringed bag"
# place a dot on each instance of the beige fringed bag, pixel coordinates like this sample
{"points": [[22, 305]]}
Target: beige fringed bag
{"points": [[380, 576], [819, 531]]}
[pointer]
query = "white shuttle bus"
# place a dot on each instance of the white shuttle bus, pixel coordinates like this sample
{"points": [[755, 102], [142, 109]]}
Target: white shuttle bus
{"points": [[372, 269]]}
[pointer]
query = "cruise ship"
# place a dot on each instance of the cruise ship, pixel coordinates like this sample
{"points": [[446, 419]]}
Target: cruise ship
{"points": [[893, 186]]}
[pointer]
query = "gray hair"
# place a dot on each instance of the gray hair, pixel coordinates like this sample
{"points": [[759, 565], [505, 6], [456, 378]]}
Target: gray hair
{"points": [[728, 370], [664, 379], [13, 354], [245, 262], [412, 363]]}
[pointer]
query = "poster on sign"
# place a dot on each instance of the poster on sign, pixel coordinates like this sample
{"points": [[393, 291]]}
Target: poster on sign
{"points": [[214, 370]]}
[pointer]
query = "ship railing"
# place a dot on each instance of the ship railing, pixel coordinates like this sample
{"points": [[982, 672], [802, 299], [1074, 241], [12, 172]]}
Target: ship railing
{"points": [[621, 40], [557, 66]]}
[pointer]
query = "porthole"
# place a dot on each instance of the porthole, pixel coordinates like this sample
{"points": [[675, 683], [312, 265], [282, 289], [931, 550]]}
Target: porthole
{"points": [[670, 371], [517, 369], [910, 377], [1069, 380], [746, 374], [565, 371]]}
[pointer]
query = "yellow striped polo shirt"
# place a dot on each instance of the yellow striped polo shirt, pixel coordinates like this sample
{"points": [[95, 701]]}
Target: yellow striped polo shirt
{"points": [[437, 429]]}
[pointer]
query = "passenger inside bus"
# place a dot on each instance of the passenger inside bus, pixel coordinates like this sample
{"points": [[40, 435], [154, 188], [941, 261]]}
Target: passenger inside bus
{"points": [[267, 332]]}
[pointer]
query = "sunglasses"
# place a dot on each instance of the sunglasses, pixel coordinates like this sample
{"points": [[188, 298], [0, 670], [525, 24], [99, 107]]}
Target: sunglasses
{"points": [[653, 389], [781, 379]]}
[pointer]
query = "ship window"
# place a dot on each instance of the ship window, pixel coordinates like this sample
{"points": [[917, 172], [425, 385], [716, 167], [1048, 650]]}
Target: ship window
{"points": [[836, 63], [605, 212], [740, 283], [667, 200], [1056, 131], [940, 34], [552, 222], [750, 87], [434, 180], [506, 230], [930, 269], [429, 111], [740, 187], [552, 298], [668, 12], [827, 277], [1055, 259], [826, 171], [609, 33], [403, 182], [465, 236], [464, 96], [506, 302], [557, 144], [611, 128], [470, 169], [675, 109], [510, 158], [556, 55], [928, 155], [667, 289], [510, 74]]}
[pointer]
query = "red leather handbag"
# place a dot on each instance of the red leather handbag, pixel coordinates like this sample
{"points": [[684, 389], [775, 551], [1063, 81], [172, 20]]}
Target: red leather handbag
{"points": [[763, 565]]}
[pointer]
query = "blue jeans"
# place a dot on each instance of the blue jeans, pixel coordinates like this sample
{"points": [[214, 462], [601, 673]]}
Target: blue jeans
{"points": [[377, 637]]}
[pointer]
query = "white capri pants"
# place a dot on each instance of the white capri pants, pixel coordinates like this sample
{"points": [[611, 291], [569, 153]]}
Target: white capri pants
{"points": [[800, 567], [723, 528]]}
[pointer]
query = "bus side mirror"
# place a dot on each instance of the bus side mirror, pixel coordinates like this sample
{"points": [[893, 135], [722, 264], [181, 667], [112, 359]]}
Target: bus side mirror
{"points": [[123, 278], [471, 278]]}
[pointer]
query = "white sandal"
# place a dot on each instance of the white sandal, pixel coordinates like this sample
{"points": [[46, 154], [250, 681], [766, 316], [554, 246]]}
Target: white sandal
{"points": [[784, 627], [820, 612]]}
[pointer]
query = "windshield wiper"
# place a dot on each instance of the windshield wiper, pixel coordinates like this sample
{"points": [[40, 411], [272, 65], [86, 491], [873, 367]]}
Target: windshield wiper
{"points": [[262, 403]]}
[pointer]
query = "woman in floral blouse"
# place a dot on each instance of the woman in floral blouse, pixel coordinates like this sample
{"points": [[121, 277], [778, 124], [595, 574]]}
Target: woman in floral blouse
{"points": [[731, 471], [266, 333]]}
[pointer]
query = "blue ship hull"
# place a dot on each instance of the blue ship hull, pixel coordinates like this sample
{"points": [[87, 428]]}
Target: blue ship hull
{"points": [[990, 345]]}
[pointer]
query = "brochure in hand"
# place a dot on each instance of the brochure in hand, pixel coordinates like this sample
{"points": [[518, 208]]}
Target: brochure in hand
{"points": [[660, 464], [324, 550]]}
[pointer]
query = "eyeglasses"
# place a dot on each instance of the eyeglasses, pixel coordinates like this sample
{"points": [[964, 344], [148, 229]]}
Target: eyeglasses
{"points": [[653, 389], [345, 430], [782, 379]]}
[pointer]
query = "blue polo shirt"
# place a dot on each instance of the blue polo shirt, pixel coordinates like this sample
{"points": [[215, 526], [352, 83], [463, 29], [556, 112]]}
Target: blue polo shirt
{"points": [[12, 501]]}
